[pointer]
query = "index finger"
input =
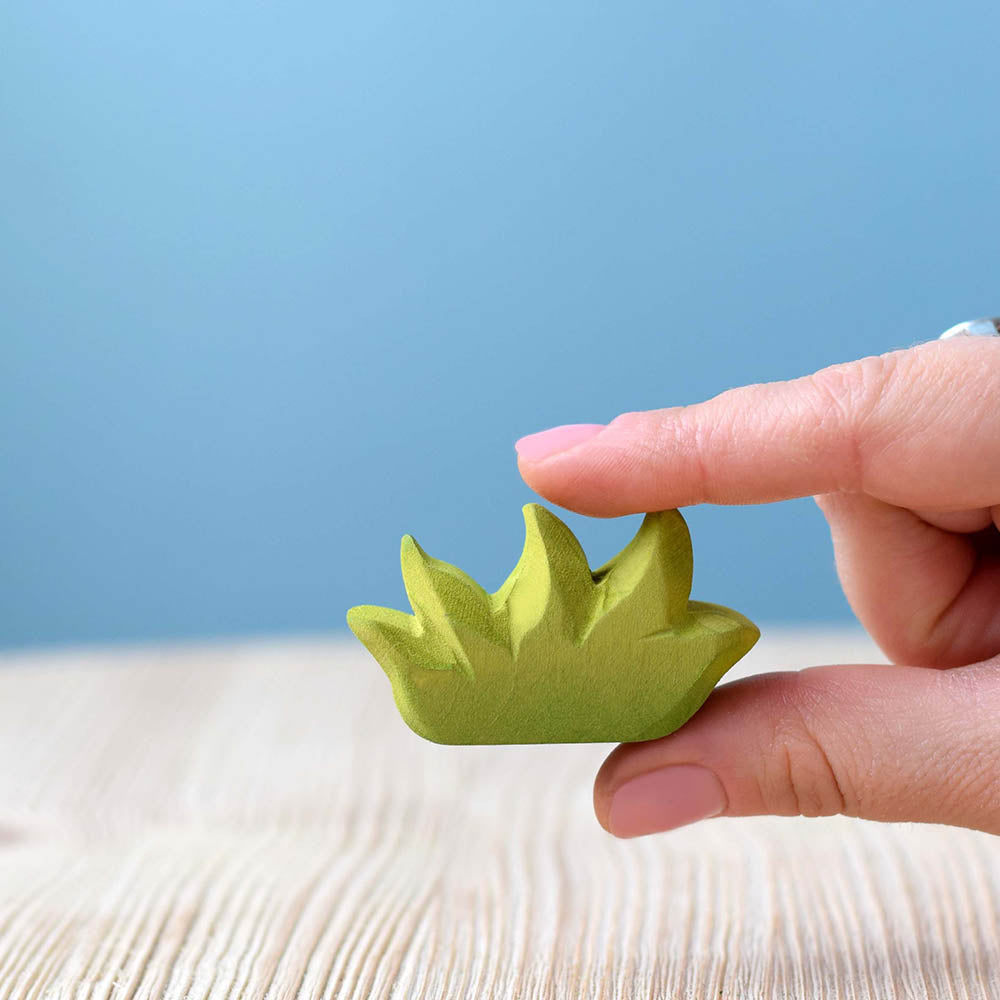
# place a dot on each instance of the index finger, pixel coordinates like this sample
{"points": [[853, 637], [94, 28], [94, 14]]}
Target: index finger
{"points": [[915, 428]]}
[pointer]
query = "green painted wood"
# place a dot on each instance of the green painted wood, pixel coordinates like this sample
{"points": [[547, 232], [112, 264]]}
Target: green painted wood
{"points": [[560, 653]]}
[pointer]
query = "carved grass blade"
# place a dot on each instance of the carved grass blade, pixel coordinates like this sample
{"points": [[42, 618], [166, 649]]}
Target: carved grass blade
{"points": [[551, 587], [449, 603], [650, 579], [559, 653], [397, 642]]}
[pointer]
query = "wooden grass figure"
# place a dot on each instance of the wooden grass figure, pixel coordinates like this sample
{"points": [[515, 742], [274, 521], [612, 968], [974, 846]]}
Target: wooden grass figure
{"points": [[560, 653]]}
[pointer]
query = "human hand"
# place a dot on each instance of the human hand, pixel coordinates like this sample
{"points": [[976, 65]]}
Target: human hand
{"points": [[902, 453]]}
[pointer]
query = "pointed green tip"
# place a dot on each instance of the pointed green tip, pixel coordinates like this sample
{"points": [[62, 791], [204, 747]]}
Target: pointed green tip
{"points": [[410, 555], [355, 617], [535, 515], [410, 547], [531, 514]]}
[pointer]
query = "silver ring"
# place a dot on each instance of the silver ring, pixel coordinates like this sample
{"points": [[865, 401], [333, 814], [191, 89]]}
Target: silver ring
{"points": [[987, 327]]}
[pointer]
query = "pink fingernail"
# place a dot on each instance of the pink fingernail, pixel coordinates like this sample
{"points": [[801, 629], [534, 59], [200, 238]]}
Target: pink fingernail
{"points": [[665, 799], [535, 447]]}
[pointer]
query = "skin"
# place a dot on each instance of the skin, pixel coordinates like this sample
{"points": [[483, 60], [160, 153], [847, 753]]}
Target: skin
{"points": [[902, 454]]}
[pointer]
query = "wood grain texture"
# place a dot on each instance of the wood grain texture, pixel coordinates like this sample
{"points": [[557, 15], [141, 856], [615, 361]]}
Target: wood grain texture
{"points": [[255, 821]]}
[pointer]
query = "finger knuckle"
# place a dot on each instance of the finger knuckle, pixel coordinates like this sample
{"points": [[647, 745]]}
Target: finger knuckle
{"points": [[812, 781], [845, 397], [801, 776], [967, 775]]}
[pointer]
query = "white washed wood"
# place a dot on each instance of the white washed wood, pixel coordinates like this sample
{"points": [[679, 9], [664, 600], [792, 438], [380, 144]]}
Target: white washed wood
{"points": [[254, 820]]}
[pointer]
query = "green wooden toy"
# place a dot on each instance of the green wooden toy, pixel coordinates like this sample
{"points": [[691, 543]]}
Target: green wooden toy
{"points": [[560, 653]]}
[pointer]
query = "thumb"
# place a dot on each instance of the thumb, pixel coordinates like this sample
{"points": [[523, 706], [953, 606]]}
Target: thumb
{"points": [[878, 742]]}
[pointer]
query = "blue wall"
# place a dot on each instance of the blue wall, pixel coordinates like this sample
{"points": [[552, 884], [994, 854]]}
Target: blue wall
{"points": [[280, 282]]}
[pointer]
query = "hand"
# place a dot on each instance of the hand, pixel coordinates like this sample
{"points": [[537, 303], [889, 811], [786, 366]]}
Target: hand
{"points": [[902, 453]]}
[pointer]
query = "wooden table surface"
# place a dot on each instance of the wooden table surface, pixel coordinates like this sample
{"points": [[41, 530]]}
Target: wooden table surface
{"points": [[254, 820]]}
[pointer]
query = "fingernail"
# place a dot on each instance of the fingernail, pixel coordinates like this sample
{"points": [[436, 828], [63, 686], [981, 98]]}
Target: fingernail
{"points": [[665, 799], [535, 447]]}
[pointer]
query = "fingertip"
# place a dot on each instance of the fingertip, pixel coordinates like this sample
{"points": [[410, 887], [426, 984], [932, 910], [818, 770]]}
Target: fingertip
{"points": [[545, 444], [556, 464], [562, 483], [602, 803], [665, 799], [607, 780]]}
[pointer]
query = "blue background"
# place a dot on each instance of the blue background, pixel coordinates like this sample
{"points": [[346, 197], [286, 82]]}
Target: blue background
{"points": [[280, 282]]}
